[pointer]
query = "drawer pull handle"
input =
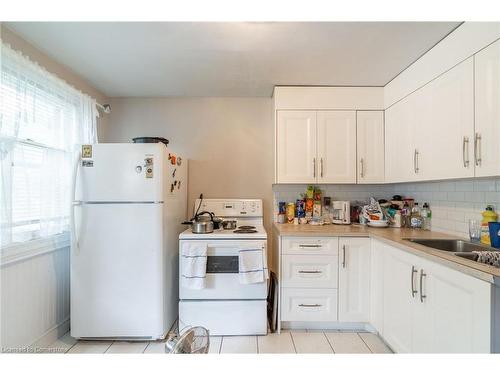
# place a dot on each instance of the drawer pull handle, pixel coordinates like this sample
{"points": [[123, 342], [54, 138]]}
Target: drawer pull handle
{"points": [[310, 246], [310, 305], [310, 271]]}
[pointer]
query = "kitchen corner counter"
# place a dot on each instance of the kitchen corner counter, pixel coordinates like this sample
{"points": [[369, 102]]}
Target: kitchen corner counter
{"points": [[396, 237]]}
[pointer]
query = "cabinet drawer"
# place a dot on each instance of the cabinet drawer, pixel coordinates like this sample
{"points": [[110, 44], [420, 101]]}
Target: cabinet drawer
{"points": [[310, 245], [305, 271], [308, 305]]}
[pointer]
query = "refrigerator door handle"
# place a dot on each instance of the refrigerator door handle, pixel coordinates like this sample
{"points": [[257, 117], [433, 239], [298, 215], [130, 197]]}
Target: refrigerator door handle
{"points": [[72, 214]]}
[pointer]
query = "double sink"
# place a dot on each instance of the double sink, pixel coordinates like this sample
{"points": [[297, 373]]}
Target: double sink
{"points": [[461, 248]]}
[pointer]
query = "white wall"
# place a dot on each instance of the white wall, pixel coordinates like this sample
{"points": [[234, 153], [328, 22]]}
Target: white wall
{"points": [[228, 141], [35, 299]]}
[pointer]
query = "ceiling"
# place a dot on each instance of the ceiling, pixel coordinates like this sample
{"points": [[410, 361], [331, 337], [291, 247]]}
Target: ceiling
{"points": [[231, 59]]}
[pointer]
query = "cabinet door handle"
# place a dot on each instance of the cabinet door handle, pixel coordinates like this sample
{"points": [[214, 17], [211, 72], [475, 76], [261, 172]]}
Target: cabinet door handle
{"points": [[314, 167], [422, 295], [310, 305], [465, 152], [321, 167], [478, 149], [415, 161], [343, 256], [306, 245], [412, 281], [362, 165], [304, 271]]}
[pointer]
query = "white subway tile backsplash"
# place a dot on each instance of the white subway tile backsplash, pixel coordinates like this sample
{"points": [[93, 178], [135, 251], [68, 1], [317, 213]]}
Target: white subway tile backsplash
{"points": [[453, 203]]}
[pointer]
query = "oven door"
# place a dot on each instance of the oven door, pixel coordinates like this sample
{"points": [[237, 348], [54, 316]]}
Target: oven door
{"points": [[222, 273]]}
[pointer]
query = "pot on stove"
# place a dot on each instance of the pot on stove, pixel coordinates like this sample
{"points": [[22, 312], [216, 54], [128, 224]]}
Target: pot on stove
{"points": [[201, 223]]}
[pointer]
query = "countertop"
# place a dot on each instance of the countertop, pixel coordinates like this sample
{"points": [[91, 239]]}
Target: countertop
{"points": [[396, 237]]}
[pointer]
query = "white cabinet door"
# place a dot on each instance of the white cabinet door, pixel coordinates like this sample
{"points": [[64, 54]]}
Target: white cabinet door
{"points": [[296, 147], [377, 286], [370, 146], [336, 147], [399, 280], [400, 142], [446, 129], [487, 111], [459, 311], [354, 280]]}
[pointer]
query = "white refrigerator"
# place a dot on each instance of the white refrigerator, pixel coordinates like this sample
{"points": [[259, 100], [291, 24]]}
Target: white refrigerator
{"points": [[129, 202]]}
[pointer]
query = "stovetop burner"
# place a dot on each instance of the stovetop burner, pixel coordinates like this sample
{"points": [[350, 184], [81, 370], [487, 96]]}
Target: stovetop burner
{"points": [[245, 230], [247, 227]]}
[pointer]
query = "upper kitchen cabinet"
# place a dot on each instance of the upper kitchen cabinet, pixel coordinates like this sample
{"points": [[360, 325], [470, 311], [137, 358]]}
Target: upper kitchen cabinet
{"points": [[487, 111], [429, 134], [449, 126], [370, 146], [336, 139], [296, 147], [400, 142], [316, 137]]}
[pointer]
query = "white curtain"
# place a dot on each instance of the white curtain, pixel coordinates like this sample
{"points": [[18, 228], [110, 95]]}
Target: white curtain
{"points": [[42, 118]]}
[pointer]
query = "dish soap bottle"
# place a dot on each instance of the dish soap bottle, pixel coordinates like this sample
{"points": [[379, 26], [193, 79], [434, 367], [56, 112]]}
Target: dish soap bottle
{"points": [[426, 217], [488, 215]]}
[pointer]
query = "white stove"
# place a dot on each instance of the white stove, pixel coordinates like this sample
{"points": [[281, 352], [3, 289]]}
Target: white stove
{"points": [[225, 306]]}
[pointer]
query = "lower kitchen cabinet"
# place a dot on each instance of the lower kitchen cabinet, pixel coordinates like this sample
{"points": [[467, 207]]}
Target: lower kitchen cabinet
{"points": [[354, 280], [430, 308], [416, 305]]}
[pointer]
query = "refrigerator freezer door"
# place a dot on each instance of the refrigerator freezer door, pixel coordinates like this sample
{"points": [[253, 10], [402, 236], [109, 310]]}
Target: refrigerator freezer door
{"points": [[121, 172], [117, 280]]}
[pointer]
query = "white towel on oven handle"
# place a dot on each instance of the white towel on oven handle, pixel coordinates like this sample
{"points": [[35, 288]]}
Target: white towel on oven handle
{"points": [[252, 263], [194, 265]]}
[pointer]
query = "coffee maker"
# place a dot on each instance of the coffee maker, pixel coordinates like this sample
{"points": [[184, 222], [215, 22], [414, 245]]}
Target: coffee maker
{"points": [[341, 212]]}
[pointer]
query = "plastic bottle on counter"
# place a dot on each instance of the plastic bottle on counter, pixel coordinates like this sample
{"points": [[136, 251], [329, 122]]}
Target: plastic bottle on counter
{"points": [[416, 217], [489, 214], [426, 214], [405, 215]]}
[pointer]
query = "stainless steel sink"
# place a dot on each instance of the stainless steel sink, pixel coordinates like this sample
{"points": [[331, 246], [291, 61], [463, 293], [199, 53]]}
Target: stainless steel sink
{"points": [[461, 248], [452, 246]]}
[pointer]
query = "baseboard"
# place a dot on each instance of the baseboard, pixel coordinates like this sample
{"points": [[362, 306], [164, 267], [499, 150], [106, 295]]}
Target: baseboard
{"points": [[329, 325], [52, 335]]}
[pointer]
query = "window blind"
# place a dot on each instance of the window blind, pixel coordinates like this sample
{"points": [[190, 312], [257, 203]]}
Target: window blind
{"points": [[42, 120]]}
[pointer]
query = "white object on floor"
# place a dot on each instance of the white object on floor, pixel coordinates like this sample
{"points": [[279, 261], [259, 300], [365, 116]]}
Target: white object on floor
{"points": [[194, 265], [252, 265]]}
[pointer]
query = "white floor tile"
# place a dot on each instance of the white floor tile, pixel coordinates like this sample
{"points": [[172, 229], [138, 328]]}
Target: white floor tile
{"points": [[90, 347], [274, 343], [215, 344], [127, 347], [60, 346], [313, 342], [375, 344], [155, 347], [239, 344], [346, 342]]}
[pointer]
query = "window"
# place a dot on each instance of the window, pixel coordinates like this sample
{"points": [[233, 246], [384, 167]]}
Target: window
{"points": [[42, 119]]}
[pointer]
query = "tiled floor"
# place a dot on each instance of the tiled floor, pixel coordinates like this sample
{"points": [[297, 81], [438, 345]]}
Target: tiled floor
{"points": [[300, 341]]}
